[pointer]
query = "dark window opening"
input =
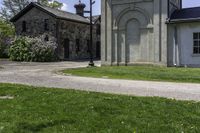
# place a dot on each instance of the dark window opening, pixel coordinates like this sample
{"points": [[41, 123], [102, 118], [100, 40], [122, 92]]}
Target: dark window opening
{"points": [[46, 38], [66, 48], [46, 25], [98, 49], [24, 26], [196, 43], [77, 45], [98, 29]]}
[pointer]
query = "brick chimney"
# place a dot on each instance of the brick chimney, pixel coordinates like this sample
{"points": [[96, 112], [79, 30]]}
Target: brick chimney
{"points": [[80, 8]]}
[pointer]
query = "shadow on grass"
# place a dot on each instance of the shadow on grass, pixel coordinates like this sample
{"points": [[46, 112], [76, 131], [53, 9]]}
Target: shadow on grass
{"points": [[31, 127]]}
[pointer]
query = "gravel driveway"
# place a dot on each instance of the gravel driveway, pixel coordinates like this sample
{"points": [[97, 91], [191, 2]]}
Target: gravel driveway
{"points": [[43, 74]]}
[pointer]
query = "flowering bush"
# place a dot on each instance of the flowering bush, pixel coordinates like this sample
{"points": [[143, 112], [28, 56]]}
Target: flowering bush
{"points": [[20, 49], [36, 49]]}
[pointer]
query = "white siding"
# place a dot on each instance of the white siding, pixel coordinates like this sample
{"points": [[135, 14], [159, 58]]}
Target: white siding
{"points": [[185, 41]]}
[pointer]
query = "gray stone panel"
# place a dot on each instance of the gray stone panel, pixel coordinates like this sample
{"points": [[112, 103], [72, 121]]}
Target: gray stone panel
{"points": [[148, 43]]}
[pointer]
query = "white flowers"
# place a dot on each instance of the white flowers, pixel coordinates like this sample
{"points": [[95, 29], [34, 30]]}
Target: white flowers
{"points": [[39, 49]]}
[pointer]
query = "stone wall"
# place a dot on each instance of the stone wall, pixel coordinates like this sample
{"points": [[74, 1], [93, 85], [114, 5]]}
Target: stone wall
{"points": [[72, 32], [66, 32], [35, 23]]}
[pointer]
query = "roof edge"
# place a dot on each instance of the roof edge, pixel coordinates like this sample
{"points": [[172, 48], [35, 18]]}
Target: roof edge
{"points": [[28, 8], [183, 20], [33, 4]]}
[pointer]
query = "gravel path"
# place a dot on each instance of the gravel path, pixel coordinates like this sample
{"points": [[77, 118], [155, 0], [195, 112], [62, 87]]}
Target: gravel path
{"points": [[43, 74]]}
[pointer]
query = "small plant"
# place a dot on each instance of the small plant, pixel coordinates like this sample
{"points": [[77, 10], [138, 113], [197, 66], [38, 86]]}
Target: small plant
{"points": [[33, 49]]}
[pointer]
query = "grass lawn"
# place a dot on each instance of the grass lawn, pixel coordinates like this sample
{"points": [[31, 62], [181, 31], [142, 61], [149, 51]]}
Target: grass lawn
{"points": [[152, 73], [56, 110]]}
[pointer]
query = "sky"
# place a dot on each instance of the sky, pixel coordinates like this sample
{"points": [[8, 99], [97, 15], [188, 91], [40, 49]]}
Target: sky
{"points": [[69, 5]]}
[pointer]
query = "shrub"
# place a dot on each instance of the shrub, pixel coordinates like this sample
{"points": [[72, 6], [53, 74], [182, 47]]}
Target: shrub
{"points": [[33, 49], [20, 49]]}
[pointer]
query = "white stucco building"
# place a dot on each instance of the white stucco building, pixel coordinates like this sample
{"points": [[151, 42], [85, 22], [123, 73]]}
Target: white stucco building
{"points": [[150, 32]]}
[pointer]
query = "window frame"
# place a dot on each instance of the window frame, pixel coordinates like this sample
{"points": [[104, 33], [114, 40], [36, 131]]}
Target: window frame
{"points": [[77, 45], [98, 29], [196, 43], [46, 38], [24, 26], [46, 24]]}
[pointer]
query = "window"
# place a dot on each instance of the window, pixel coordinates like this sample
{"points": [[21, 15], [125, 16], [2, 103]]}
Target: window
{"points": [[98, 29], [196, 43], [46, 38], [46, 25], [24, 26], [77, 45]]}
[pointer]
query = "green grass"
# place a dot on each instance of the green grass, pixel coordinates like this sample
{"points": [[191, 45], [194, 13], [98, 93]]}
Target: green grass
{"points": [[152, 73], [56, 110]]}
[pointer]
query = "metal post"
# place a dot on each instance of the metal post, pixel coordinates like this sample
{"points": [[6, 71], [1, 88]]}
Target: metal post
{"points": [[91, 63]]}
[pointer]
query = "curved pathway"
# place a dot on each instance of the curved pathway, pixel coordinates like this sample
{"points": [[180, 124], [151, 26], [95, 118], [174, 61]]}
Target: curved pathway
{"points": [[44, 75]]}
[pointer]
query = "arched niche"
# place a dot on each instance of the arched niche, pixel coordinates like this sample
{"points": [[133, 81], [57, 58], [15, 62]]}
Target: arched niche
{"points": [[131, 31], [140, 14], [132, 40]]}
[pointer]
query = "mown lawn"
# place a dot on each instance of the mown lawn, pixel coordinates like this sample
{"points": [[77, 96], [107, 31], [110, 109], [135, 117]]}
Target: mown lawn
{"points": [[152, 73], [56, 111]]}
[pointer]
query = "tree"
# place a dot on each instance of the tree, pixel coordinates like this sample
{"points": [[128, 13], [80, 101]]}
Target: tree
{"points": [[51, 3], [56, 5], [6, 35], [11, 7], [6, 29]]}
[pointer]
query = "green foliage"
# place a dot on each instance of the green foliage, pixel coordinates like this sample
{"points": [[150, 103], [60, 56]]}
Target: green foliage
{"points": [[45, 110], [6, 35], [6, 29], [19, 51], [12, 7], [33, 49], [152, 73], [53, 4]]}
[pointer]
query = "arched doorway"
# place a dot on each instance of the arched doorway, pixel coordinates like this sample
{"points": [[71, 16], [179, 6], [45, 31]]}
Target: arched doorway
{"points": [[132, 36]]}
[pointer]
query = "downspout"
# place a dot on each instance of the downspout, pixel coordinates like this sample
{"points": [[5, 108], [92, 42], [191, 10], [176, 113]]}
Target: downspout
{"points": [[175, 46], [177, 54], [160, 30]]}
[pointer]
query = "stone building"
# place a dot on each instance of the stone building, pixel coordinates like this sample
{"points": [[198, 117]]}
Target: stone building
{"points": [[72, 31], [150, 32]]}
